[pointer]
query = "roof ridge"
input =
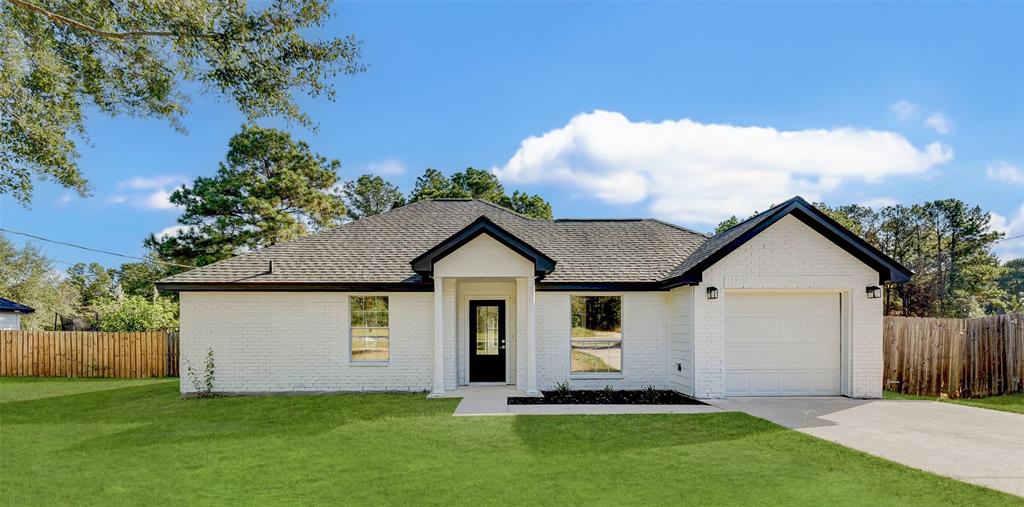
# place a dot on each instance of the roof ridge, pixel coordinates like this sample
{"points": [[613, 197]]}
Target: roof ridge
{"points": [[502, 208], [685, 229], [599, 220]]}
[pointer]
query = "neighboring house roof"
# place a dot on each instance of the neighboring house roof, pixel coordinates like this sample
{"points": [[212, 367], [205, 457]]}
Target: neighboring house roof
{"points": [[396, 250], [8, 306]]}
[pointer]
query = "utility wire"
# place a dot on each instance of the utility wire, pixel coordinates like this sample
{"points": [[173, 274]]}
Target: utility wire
{"points": [[1011, 237], [33, 236]]}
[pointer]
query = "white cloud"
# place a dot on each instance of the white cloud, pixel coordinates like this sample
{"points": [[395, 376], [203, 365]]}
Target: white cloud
{"points": [[904, 109], [1005, 172], [1012, 226], [699, 173], [148, 192], [158, 199], [879, 202], [158, 181], [170, 231], [939, 122], [387, 166]]}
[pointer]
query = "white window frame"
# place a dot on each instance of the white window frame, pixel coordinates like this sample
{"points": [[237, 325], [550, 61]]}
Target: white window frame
{"points": [[602, 375], [362, 362]]}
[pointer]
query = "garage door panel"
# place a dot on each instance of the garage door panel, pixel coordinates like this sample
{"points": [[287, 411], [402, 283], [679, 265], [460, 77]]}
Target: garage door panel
{"points": [[738, 355], [782, 343], [793, 382], [763, 382]]}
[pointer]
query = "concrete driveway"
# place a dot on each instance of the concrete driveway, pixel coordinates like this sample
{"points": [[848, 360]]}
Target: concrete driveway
{"points": [[975, 445]]}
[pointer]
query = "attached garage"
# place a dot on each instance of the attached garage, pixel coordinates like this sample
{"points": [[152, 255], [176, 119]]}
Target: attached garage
{"points": [[783, 343]]}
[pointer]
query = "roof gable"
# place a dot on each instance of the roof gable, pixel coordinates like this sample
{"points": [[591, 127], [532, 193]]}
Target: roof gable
{"points": [[424, 263], [721, 245]]}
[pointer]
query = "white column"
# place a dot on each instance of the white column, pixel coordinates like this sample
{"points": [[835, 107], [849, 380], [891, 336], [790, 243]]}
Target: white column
{"points": [[521, 303], [438, 387], [531, 337]]}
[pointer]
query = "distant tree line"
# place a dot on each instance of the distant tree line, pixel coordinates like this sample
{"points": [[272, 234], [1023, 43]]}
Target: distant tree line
{"points": [[268, 189], [271, 188]]}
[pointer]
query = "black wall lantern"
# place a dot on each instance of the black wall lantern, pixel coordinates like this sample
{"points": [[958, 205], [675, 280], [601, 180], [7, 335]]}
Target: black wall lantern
{"points": [[874, 292], [712, 293]]}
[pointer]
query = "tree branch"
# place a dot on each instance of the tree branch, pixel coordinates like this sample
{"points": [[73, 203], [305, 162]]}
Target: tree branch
{"points": [[57, 18]]}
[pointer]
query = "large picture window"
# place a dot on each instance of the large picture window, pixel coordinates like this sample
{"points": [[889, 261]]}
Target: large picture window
{"points": [[596, 339], [371, 337]]}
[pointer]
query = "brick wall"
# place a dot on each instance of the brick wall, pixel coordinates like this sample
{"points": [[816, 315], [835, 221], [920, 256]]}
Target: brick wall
{"points": [[645, 344], [791, 255], [680, 339], [299, 341]]}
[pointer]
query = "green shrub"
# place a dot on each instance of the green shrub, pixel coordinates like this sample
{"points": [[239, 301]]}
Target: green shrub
{"points": [[136, 313]]}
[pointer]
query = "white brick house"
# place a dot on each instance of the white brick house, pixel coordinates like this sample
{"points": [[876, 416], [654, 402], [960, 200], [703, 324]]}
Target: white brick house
{"points": [[444, 293]]}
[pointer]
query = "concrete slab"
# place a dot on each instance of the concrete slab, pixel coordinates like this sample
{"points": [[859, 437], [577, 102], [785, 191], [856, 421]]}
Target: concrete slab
{"points": [[976, 445]]}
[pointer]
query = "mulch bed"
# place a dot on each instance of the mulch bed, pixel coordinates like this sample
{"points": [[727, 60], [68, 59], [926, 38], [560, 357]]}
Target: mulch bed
{"points": [[602, 397]]}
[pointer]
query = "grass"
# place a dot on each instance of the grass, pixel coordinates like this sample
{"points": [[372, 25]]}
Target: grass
{"points": [[583, 362], [117, 442], [1013, 402]]}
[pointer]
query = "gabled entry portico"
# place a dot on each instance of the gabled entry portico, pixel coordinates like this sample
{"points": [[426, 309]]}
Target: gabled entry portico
{"points": [[483, 272]]}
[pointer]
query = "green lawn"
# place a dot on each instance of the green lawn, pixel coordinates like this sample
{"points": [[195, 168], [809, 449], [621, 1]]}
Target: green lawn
{"points": [[118, 442], [1013, 402]]}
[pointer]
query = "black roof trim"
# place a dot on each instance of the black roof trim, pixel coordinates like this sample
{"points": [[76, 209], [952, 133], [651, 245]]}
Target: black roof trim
{"points": [[599, 286], [889, 270], [599, 219], [296, 287], [424, 263], [8, 306]]}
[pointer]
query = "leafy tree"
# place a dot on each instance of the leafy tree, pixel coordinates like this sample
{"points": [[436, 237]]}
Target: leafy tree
{"points": [[477, 184], [1011, 282], [269, 189], [948, 246], [533, 206], [136, 313], [92, 282], [727, 224], [369, 195], [433, 184], [28, 277], [63, 58], [138, 278]]}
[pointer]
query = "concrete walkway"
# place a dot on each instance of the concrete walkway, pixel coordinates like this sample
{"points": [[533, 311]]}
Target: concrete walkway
{"points": [[975, 445], [493, 400]]}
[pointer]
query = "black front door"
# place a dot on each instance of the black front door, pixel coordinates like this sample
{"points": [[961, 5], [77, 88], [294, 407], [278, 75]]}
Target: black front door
{"points": [[486, 341]]}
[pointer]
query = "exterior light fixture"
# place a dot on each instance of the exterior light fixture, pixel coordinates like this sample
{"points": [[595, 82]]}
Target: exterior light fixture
{"points": [[874, 292], [712, 292]]}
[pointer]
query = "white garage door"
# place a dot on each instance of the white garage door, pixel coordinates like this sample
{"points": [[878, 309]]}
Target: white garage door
{"points": [[782, 344]]}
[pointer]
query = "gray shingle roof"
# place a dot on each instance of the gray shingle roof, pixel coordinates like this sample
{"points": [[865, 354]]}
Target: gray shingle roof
{"points": [[378, 249]]}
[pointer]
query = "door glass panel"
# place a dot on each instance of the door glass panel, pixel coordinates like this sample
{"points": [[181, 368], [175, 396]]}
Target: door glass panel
{"points": [[487, 330]]}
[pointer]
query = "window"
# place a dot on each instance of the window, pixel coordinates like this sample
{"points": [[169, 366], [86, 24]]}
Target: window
{"points": [[596, 339], [371, 338]]}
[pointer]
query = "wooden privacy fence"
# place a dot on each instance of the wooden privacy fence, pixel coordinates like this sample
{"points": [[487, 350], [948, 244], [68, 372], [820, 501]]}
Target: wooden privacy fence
{"points": [[960, 358], [89, 354]]}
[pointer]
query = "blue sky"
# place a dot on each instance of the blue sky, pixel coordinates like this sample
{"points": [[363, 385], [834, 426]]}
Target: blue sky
{"points": [[687, 112]]}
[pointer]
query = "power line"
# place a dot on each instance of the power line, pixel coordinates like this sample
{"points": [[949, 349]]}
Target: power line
{"points": [[1011, 237], [33, 236]]}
